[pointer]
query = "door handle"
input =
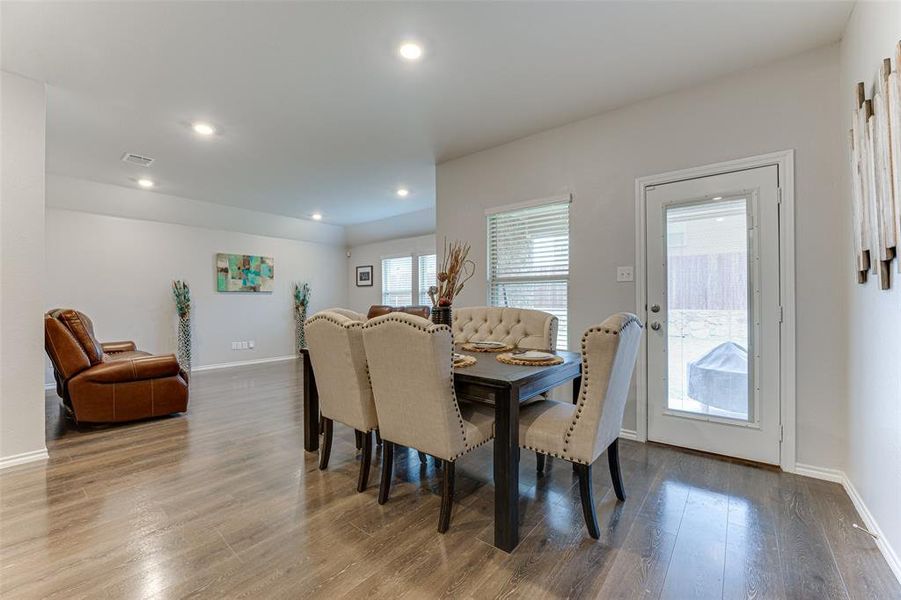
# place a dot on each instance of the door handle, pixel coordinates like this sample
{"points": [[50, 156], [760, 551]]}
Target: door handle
{"points": [[655, 326]]}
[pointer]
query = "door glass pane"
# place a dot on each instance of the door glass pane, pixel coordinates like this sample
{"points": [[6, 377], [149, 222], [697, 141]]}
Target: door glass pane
{"points": [[707, 298]]}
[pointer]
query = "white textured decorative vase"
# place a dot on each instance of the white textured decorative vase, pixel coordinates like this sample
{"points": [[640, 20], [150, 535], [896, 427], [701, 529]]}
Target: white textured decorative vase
{"points": [[184, 343]]}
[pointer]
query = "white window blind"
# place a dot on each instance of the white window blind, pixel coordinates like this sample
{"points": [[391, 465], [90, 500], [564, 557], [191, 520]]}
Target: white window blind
{"points": [[528, 260], [427, 272], [397, 281]]}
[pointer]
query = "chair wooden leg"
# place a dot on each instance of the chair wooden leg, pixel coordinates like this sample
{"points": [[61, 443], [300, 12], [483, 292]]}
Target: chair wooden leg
{"points": [[367, 460], [326, 450], [447, 496], [615, 473], [358, 436], [387, 470], [591, 518], [541, 459]]}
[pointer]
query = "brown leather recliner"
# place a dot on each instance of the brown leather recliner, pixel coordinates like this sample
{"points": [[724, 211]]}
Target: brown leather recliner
{"points": [[113, 381], [377, 310]]}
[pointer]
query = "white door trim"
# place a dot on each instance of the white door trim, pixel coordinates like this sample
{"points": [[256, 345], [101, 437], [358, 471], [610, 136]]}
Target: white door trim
{"points": [[785, 161]]}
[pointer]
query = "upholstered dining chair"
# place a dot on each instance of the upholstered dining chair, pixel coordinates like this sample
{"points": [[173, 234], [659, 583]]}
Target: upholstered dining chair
{"points": [[581, 432], [520, 327], [410, 366], [335, 345]]}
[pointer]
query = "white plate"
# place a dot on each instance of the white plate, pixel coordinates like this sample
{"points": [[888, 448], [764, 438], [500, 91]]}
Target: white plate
{"points": [[488, 344], [535, 355]]}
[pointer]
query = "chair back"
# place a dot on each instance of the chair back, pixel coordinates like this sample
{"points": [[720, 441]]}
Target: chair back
{"points": [[521, 327], [377, 310], [335, 344], [82, 329], [609, 352], [410, 365]]}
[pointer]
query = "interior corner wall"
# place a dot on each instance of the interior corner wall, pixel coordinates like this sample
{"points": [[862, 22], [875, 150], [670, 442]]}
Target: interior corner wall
{"points": [[790, 104], [119, 271], [874, 317], [361, 298], [22, 130]]}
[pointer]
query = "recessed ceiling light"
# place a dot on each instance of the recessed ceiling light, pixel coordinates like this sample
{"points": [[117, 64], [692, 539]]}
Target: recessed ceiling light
{"points": [[203, 128], [717, 197], [145, 183], [317, 216], [403, 192], [410, 51], [720, 219]]}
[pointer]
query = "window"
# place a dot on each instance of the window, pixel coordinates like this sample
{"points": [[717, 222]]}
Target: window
{"points": [[397, 281], [528, 260], [427, 272]]}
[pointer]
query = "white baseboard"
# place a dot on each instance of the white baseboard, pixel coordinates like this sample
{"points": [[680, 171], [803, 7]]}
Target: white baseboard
{"points": [[25, 457], [833, 475], [628, 434], [869, 521], [243, 363], [240, 363]]}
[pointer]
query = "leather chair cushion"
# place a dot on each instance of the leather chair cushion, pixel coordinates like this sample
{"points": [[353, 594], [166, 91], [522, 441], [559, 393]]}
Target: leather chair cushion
{"points": [[81, 327], [377, 310], [136, 369]]}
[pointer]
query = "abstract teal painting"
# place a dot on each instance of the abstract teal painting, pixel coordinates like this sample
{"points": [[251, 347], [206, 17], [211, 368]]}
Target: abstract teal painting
{"points": [[244, 273]]}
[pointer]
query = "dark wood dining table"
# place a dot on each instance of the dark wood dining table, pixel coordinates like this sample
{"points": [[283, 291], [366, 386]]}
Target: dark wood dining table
{"points": [[504, 386]]}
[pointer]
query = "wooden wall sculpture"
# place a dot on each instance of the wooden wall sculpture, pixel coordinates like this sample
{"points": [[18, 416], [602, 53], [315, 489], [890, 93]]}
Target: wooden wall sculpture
{"points": [[875, 144]]}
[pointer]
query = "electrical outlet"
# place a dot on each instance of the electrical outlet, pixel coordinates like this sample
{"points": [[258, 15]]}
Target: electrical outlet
{"points": [[243, 345], [251, 344], [234, 345], [625, 274]]}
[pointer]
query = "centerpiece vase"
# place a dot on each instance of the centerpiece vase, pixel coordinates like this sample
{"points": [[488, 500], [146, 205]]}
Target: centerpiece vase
{"points": [[442, 315]]}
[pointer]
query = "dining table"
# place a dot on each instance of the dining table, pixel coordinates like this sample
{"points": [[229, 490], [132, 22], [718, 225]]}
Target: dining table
{"points": [[504, 386]]}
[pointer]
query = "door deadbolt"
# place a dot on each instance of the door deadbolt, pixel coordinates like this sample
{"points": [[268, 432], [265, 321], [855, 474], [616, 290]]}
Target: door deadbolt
{"points": [[655, 308]]}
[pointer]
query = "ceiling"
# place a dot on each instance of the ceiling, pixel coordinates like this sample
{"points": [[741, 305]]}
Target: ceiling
{"points": [[314, 108]]}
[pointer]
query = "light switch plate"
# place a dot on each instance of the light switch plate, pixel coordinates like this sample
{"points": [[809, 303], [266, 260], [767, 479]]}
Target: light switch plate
{"points": [[625, 274]]}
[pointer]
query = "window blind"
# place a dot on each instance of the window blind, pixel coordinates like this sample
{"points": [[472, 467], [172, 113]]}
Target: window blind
{"points": [[427, 273], [397, 281], [528, 260]]}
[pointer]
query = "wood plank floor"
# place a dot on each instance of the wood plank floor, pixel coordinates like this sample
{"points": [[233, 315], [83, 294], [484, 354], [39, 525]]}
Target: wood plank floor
{"points": [[224, 503]]}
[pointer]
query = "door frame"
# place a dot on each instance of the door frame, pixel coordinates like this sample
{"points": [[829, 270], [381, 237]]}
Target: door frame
{"points": [[785, 163]]}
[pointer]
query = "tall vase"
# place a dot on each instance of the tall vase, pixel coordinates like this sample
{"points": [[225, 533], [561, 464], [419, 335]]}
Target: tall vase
{"points": [[300, 339], [184, 343], [442, 315]]}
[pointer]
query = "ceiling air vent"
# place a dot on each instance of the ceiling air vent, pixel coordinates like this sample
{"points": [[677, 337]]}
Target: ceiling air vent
{"points": [[137, 159]]}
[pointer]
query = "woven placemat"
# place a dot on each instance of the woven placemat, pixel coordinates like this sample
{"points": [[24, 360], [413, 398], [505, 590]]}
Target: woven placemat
{"points": [[509, 359], [473, 348], [465, 361]]}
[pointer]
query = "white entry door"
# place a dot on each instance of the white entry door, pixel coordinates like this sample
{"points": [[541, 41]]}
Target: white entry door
{"points": [[714, 314]]}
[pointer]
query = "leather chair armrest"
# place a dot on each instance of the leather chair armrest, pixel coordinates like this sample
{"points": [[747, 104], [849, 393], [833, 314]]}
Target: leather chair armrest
{"points": [[113, 347], [122, 371]]}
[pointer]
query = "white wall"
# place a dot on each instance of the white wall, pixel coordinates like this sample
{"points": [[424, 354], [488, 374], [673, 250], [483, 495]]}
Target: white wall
{"points": [[361, 298], [119, 271], [874, 319], [789, 104], [22, 129]]}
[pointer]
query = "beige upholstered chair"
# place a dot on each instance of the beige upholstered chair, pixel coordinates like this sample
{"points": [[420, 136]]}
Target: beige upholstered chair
{"points": [[410, 366], [581, 432], [520, 327], [346, 312], [335, 343]]}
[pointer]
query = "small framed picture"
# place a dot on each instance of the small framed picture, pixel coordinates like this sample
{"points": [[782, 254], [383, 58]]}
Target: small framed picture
{"points": [[364, 276]]}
